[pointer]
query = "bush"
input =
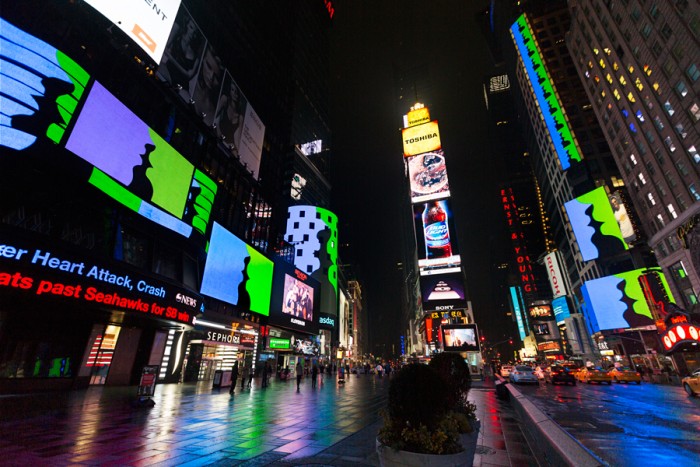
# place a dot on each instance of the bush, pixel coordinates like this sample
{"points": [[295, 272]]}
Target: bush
{"points": [[456, 376], [417, 417]]}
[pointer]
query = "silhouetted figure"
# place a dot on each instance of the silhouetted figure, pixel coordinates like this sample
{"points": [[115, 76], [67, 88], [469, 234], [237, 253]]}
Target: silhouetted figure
{"points": [[234, 378], [243, 296], [140, 184]]}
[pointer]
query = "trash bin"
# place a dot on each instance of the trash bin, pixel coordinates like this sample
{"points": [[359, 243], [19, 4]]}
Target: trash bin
{"points": [[218, 375], [501, 390]]}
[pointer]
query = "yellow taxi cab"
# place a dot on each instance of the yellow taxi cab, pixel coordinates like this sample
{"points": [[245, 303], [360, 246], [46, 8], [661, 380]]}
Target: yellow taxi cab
{"points": [[594, 375], [691, 383], [625, 374]]}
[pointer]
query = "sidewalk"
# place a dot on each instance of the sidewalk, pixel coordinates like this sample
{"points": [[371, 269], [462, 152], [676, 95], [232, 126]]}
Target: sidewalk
{"points": [[193, 425]]}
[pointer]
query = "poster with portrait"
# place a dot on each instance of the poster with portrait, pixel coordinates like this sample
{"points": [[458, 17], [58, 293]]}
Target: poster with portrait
{"points": [[298, 299], [208, 86], [230, 112]]}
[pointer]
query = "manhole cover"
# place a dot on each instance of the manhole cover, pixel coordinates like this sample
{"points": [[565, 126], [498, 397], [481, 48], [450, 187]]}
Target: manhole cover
{"points": [[485, 450]]}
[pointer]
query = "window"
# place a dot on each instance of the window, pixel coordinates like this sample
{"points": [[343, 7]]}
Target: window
{"points": [[669, 67], [622, 80], [682, 168], [652, 201], [659, 156], [609, 78], [694, 154], [636, 14], [654, 11], [639, 115], [694, 111], [693, 72], [647, 70], [677, 51], [694, 192], [669, 144], [656, 49], [646, 30], [672, 211], [669, 108], [671, 179], [659, 124], [657, 88], [642, 179], [650, 136], [617, 95], [666, 31], [660, 218], [633, 159], [638, 84], [680, 130], [630, 97], [681, 89]]}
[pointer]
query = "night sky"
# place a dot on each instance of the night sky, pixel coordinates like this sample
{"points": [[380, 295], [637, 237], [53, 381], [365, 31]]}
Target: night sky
{"points": [[370, 39]]}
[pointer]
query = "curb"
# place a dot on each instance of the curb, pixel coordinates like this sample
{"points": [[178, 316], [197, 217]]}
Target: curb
{"points": [[550, 443]]}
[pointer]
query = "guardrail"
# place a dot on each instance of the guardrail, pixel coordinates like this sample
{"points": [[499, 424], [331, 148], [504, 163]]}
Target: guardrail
{"points": [[550, 444]]}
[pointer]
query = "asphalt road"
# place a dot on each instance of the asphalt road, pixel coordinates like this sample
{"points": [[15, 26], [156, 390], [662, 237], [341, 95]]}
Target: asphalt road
{"points": [[626, 424]]}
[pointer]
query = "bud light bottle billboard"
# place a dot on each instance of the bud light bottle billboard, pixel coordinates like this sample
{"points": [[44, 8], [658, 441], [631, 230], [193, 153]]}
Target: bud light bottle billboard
{"points": [[436, 231]]}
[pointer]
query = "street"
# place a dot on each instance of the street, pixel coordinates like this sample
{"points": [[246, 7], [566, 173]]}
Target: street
{"points": [[625, 424]]}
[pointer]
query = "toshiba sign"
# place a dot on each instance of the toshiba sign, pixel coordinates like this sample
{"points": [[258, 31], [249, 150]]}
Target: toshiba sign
{"points": [[556, 280], [421, 138]]}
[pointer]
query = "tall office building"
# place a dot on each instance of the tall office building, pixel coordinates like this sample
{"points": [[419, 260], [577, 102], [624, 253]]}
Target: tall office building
{"points": [[639, 62]]}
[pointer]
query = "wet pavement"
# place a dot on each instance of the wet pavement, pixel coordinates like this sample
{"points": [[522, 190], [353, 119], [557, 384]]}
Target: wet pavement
{"points": [[195, 425]]}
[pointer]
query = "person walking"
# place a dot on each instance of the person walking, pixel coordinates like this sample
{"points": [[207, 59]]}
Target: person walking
{"points": [[234, 378], [244, 376], [251, 373], [264, 375], [300, 373], [314, 375]]}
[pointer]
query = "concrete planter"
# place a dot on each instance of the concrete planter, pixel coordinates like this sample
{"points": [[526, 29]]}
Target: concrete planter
{"points": [[389, 457]]}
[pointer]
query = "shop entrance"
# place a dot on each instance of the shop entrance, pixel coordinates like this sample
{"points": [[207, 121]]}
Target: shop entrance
{"points": [[103, 343]]}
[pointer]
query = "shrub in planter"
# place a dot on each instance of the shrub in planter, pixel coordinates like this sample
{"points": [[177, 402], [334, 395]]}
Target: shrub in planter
{"points": [[455, 373], [418, 417]]}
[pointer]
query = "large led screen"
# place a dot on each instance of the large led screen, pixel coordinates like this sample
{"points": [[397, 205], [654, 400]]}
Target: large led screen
{"points": [[436, 238], [137, 167], [314, 233], [441, 290], [595, 226], [619, 301], [148, 23], [561, 309], [427, 174], [40, 88], [552, 111], [460, 337], [236, 273], [295, 299]]}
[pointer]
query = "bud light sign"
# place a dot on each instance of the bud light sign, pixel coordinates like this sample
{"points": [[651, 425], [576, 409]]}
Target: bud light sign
{"points": [[435, 236]]}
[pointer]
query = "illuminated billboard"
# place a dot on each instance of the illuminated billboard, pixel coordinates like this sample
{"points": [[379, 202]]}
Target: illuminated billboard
{"points": [[620, 301], [594, 224], [442, 290], [622, 217], [435, 236], [311, 148], [551, 109], [295, 299], [147, 23], [520, 317], [314, 233], [540, 312], [131, 162], [417, 116], [421, 138], [427, 174], [556, 279], [192, 66], [561, 309], [236, 273], [460, 337]]}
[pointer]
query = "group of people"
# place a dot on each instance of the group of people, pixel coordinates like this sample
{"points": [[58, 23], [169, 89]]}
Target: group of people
{"points": [[299, 302], [246, 373]]}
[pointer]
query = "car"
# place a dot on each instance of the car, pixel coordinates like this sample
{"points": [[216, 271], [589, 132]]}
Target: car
{"points": [[625, 374], [691, 383], [594, 374], [556, 374], [522, 374], [505, 370]]}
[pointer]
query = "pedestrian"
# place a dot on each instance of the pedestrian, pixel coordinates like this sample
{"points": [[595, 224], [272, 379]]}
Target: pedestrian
{"points": [[264, 375], [379, 369], [234, 378], [300, 373], [251, 373], [244, 376], [314, 376]]}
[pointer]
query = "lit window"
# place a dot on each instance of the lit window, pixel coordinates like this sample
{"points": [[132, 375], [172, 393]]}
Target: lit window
{"points": [[587, 74], [602, 93], [642, 179], [694, 154], [601, 63], [633, 128], [652, 201], [681, 89], [590, 64], [596, 51], [633, 159], [617, 95], [669, 144], [693, 72], [607, 51], [630, 97], [638, 84], [672, 211], [639, 115], [623, 81], [647, 70], [669, 108], [597, 79], [695, 111], [681, 131], [625, 113], [661, 219], [630, 68], [657, 88], [616, 66], [694, 191], [646, 31]]}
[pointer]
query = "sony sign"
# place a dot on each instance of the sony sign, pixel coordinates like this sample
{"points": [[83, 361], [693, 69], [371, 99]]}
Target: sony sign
{"points": [[556, 280]]}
